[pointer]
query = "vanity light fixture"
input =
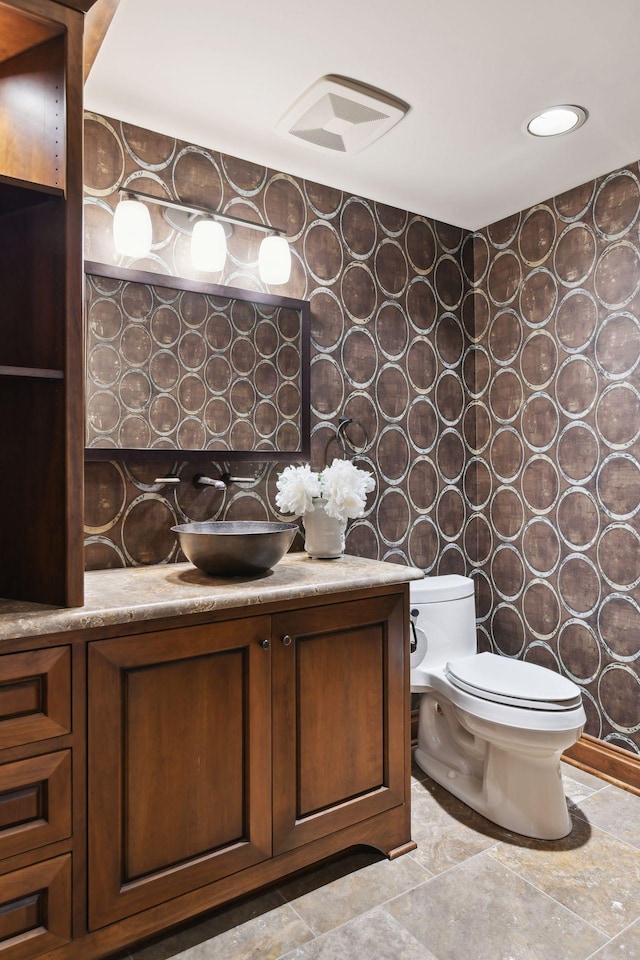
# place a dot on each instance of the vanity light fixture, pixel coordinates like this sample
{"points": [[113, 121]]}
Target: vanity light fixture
{"points": [[555, 121], [208, 229], [208, 246], [132, 228], [274, 260]]}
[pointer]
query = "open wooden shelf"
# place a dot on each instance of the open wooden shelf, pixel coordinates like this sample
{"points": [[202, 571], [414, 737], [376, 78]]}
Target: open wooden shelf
{"points": [[41, 356], [18, 194], [20, 32], [31, 373], [34, 148]]}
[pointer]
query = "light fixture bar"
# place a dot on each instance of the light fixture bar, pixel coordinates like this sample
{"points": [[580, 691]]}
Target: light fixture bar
{"points": [[202, 211]]}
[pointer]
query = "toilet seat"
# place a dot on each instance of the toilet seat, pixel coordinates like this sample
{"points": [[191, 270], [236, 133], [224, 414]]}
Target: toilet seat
{"points": [[512, 682]]}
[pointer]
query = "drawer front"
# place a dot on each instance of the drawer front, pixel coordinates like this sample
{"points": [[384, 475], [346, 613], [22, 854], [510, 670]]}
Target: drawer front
{"points": [[35, 909], [35, 802], [35, 696]]}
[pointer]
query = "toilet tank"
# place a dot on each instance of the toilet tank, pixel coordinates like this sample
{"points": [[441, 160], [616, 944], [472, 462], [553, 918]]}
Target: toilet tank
{"points": [[444, 614]]}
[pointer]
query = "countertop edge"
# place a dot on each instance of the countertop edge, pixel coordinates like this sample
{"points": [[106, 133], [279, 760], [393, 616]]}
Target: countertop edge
{"points": [[182, 590]]}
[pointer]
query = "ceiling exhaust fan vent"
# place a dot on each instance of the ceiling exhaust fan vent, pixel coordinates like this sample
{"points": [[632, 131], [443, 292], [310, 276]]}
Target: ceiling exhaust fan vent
{"points": [[340, 114]]}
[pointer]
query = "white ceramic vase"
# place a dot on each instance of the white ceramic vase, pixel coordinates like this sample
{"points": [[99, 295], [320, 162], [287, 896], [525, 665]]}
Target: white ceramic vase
{"points": [[323, 535]]}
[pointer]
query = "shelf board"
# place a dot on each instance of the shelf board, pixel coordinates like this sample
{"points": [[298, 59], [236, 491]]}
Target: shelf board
{"points": [[18, 194], [20, 32], [31, 373]]}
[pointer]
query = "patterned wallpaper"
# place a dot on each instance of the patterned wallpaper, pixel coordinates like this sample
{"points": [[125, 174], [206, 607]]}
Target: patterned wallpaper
{"points": [[555, 537], [388, 307], [496, 374]]}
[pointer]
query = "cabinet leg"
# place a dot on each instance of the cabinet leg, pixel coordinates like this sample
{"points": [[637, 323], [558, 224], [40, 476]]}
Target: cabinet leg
{"points": [[399, 851]]}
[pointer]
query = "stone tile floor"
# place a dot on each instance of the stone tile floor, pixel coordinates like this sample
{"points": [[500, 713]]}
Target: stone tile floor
{"points": [[471, 891]]}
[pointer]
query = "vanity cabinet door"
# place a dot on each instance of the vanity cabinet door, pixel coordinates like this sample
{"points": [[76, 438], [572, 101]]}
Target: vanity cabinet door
{"points": [[339, 705], [179, 762]]}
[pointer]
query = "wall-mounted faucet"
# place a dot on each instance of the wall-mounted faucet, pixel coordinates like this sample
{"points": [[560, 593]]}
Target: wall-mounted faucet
{"points": [[225, 480], [200, 480]]}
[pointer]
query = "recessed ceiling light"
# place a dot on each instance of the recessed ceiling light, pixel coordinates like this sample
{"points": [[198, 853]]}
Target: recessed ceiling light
{"points": [[556, 120]]}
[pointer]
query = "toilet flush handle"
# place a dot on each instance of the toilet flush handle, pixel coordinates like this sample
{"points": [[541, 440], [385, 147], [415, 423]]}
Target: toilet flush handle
{"points": [[413, 646]]}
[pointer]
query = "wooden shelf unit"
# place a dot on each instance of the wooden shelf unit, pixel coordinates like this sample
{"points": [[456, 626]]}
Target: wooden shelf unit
{"points": [[41, 375]]}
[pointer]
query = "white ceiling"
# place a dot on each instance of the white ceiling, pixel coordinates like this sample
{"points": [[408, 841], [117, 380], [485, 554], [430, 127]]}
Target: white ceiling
{"points": [[221, 74]]}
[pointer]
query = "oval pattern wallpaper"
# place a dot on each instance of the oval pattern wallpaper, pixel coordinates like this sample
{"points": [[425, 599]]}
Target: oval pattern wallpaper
{"points": [[555, 355], [494, 376], [386, 292]]}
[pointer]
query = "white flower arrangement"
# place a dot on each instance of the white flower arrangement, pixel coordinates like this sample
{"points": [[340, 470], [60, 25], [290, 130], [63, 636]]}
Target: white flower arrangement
{"points": [[342, 486]]}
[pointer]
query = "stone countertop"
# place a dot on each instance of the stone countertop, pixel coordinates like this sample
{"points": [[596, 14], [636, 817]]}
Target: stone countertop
{"points": [[167, 590]]}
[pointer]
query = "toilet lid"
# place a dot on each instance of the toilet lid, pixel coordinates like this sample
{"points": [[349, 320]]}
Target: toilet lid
{"points": [[513, 682]]}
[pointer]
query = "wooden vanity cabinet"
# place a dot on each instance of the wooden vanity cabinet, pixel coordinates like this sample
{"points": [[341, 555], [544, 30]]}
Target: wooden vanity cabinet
{"points": [[229, 754], [151, 770]]}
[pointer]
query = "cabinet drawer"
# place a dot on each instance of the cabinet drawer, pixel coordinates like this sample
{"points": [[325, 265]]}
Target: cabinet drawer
{"points": [[35, 909], [35, 802], [35, 696]]}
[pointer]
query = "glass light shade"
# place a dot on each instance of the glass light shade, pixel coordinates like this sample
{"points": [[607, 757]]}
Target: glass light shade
{"points": [[208, 246], [274, 260], [132, 229], [556, 120]]}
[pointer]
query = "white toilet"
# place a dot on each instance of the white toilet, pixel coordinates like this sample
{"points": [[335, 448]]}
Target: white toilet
{"points": [[491, 729]]}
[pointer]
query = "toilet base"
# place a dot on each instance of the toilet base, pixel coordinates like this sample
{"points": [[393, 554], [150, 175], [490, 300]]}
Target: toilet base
{"points": [[515, 785]]}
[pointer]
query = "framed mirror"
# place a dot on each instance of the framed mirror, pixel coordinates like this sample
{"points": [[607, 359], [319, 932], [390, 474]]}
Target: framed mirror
{"points": [[175, 365]]}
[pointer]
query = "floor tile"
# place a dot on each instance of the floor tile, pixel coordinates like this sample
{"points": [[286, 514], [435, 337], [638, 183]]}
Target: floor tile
{"points": [[446, 830], [624, 947], [581, 776], [340, 891], [261, 928], [576, 793], [615, 811], [479, 910], [373, 936], [417, 773], [471, 891], [590, 872]]}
